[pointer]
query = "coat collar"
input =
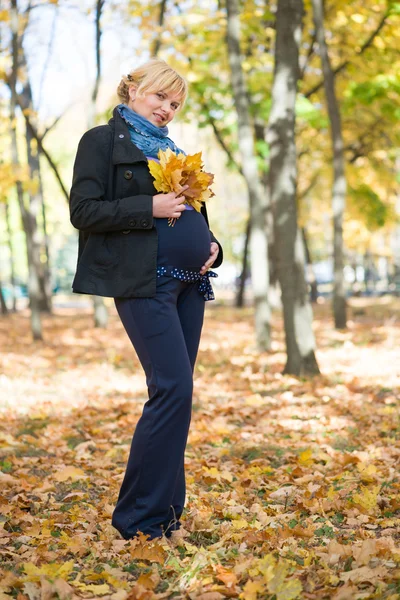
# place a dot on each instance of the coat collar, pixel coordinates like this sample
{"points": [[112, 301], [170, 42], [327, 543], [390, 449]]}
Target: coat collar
{"points": [[124, 151]]}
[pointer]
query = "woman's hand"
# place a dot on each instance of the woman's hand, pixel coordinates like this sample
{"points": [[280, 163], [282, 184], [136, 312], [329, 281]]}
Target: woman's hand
{"points": [[169, 206], [214, 250]]}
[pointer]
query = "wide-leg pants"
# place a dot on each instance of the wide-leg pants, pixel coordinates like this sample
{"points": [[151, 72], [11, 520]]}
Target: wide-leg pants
{"points": [[165, 332]]}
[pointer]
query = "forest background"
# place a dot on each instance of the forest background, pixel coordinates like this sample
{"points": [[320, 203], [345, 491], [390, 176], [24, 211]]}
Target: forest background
{"points": [[292, 489]]}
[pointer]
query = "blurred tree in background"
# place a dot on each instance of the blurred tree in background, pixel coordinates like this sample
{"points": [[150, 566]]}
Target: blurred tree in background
{"points": [[348, 59]]}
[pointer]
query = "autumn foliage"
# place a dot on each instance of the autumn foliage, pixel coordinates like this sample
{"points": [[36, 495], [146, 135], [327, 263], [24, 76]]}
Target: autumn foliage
{"points": [[174, 171], [292, 485]]}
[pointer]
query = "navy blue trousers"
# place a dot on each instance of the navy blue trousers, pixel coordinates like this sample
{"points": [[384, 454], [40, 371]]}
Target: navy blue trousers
{"points": [[165, 332]]}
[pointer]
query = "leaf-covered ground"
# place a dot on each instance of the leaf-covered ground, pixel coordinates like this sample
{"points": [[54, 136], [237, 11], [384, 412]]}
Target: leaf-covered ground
{"points": [[293, 485]]}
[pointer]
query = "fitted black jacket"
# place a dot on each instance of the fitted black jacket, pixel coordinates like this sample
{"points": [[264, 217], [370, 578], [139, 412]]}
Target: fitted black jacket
{"points": [[111, 203]]}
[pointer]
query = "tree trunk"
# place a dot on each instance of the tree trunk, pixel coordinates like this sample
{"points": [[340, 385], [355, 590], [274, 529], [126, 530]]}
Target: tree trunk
{"points": [[36, 203], [3, 305], [28, 218], [239, 302], [339, 178], [258, 238], [49, 290], [310, 270], [11, 252], [288, 244], [161, 16], [99, 307]]}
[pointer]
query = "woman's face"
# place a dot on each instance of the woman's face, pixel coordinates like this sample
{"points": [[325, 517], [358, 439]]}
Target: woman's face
{"points": [[158, 107]]}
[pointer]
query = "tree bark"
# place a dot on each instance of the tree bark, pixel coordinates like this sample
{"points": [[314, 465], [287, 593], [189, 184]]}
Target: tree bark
{"points": [[157, 41], [11, 253], [28, 217], [310, 270], [258, 238], [99, 307], [3, 305], [288, 244], [339, 177], [344, 64], [36, 201], [239, 302]]}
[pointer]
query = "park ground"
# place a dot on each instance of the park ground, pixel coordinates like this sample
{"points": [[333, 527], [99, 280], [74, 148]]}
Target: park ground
{"points": [[293, 486]]}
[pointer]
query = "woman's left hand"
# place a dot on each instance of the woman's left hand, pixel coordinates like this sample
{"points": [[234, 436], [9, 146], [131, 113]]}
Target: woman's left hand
{"points": [[214, 249]]}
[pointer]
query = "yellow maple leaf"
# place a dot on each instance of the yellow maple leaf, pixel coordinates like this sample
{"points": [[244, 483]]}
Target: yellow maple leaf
{"points": [[156, 171], [252, 589], [331, 494], [367, 472], [174, 171], [99, 589], [70, 472], [239, 524], [51, 571], [212, 472], [305, 458], [284, 589], [367, 498]]}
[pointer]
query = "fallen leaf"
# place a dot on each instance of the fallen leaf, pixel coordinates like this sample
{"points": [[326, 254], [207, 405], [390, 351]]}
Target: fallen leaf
{"points": [[73, 473]]}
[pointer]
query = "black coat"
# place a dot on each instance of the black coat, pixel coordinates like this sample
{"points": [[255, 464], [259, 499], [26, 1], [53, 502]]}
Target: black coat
{"points": [[111, 203]]}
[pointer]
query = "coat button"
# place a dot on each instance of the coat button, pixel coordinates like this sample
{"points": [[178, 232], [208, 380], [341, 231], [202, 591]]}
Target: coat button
{"points": [[128, 174], [121, 135], [132, 223], [144, 223]]}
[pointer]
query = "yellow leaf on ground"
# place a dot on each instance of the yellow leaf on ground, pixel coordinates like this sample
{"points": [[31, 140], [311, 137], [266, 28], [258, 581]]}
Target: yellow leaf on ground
{"points": [[213, 473], [52, 570], [100, 589], [367, 498], [285, 590], [240, 524], [252, 590], [73, 473], [305, 458], [367, 472]]}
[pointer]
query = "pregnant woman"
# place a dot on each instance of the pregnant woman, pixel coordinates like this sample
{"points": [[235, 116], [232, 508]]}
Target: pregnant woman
{"points": [[158, 277]]}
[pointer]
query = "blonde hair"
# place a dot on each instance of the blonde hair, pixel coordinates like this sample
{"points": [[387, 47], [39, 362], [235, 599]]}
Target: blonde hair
{"points": [[153, 76]]}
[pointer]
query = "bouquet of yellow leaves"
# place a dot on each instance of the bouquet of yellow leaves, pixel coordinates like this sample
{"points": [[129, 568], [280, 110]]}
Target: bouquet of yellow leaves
{"points": [[177, 170]]}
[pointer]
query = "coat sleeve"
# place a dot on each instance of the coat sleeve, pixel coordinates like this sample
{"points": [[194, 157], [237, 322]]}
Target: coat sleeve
{"points": [[220, 256], [90, 211]]}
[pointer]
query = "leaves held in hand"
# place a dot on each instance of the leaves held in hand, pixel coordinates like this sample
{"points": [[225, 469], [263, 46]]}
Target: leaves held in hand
{"points": [[174, 171]]}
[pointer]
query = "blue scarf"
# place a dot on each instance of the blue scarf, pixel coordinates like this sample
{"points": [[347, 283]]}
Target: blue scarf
{"points": [[147, 137]]}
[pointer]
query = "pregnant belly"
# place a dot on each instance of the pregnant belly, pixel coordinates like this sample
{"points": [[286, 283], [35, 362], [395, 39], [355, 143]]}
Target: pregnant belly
{"points": [[186, 245]]}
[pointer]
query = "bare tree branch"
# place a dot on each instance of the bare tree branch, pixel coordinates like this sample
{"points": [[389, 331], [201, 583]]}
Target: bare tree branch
{"points": [[307, 57], [313, 182], [49, 52], [99, 9], [221, 140], [39, 140], [50, 127]]}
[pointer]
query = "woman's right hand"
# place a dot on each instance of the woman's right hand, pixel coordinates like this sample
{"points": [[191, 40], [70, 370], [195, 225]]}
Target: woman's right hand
{"points": [[169, 206]]}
